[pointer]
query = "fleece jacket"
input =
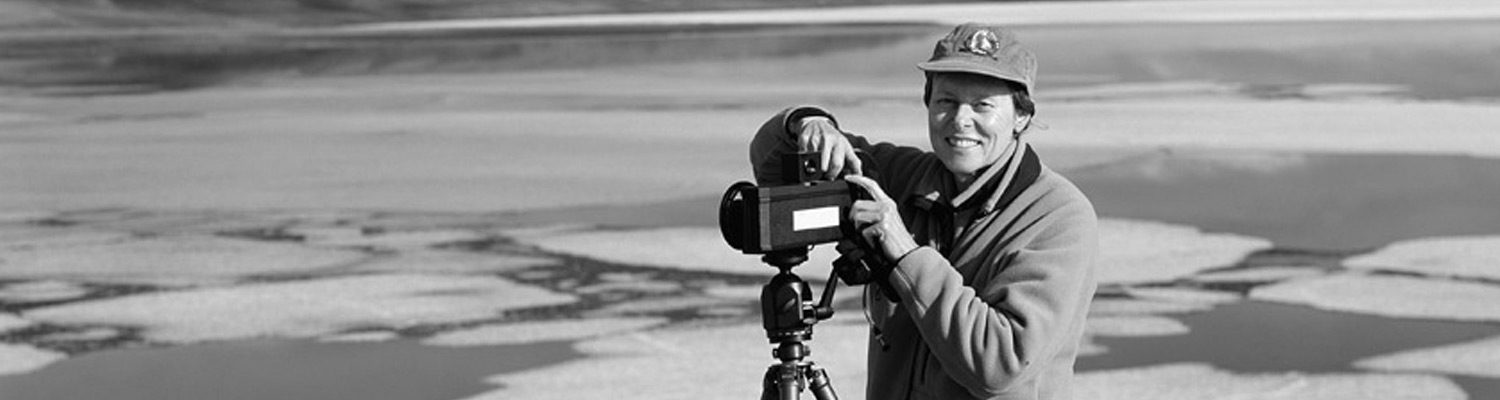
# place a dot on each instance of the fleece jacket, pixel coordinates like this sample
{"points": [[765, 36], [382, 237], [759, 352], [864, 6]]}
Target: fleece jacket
{"points": [[993, 303]]}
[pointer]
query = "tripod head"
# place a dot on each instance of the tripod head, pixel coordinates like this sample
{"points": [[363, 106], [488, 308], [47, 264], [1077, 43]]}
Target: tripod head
{"points": [[787, 310], [788, 314]]}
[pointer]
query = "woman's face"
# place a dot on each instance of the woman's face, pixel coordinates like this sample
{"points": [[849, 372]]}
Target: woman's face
{"points": [[970, 120]]}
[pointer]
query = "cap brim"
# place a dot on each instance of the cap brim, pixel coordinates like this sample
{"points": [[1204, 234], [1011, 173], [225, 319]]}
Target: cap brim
{"points": [[962, 65]]}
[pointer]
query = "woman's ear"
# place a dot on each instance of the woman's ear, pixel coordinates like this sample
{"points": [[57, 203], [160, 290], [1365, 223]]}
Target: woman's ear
{"points": [[1023, 122]]}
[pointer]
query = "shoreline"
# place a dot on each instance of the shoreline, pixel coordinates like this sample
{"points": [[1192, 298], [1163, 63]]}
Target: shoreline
{"points": [[1018, 14]]}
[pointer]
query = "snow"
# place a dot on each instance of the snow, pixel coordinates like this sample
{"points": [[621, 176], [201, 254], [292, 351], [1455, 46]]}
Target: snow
{"points": [[9, 322], [1199, 381], [1135, 326], [1113, 306], [532, 332], [1459, 256], [1478, 358], [1258, 275], [361, 337], [19, 359], [303, 309], [34, 291], [171, 260], [388, 240], [87, 335], [681, 363], [1390, 296], [29, 237], [1133, 252], [450, 262], [1183, 295]]}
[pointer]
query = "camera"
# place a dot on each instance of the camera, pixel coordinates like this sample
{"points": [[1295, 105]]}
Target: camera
{"points": [[782, 222], [810, 211]]}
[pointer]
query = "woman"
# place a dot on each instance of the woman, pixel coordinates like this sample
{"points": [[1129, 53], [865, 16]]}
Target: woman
{"points": [[992, 253]]}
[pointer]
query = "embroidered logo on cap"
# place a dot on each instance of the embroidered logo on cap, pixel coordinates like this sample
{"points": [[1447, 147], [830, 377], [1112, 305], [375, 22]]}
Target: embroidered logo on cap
{"points": [[982, 42]]}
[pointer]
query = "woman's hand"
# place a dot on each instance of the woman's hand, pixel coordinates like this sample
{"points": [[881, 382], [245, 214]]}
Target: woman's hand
{"points": [[818, 134], [879, 222]]}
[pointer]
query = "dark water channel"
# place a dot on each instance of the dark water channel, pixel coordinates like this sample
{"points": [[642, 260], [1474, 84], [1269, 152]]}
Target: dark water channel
{"points": [[283, 369], [1306, 201], [1257, 337]]}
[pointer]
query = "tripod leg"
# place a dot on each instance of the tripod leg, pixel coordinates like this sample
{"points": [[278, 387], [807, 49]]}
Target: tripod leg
{"points": [[782, 382], [821, 386], [768, 385]]}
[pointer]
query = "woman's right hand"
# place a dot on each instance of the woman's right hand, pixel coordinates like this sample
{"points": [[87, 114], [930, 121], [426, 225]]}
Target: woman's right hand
{"points": [[835, 153]]}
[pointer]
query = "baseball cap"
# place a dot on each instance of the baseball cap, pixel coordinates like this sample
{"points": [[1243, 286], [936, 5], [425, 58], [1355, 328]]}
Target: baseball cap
{"points": [[985, 50]]}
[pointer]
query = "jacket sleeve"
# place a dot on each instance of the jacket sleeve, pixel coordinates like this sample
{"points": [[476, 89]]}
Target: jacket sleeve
{"points": [[774, 140], [1005, 330]]}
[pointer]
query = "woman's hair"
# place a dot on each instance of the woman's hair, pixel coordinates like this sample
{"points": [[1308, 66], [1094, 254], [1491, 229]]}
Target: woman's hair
{"points": [[1019, 97]]}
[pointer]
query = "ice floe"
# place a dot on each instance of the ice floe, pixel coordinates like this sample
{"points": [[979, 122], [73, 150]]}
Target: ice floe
{"points": [[741, 292], [23, 216], [686, 248], [1183, 295], [1090, 347], [361, 337], [29, 237], [1479, 358], [646, 287], [86, 335], [533, 332], [1258, 275], [1134, 251], [354, 237], [1391, 296], [1135, 326], [1199, 381], [305, 308], [174, 260], [20, 359], [661, 305], [686, 363], [450, 262], [1115, 306], [9, 322], [1467, 257], [40, 291]]}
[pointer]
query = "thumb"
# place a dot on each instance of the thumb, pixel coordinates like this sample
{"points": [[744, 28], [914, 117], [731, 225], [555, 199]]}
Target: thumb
{"points": [[870, 187]]}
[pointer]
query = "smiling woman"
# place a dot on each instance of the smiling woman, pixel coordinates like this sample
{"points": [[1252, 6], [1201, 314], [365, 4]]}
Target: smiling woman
{"points": [[978, 242]]}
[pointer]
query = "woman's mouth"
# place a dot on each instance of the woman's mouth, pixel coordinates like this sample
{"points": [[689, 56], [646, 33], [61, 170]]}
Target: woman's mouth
{"points": [[960, 143]]}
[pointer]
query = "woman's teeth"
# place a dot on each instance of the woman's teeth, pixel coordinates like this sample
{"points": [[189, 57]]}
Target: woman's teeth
{"points": [[961, 143]]}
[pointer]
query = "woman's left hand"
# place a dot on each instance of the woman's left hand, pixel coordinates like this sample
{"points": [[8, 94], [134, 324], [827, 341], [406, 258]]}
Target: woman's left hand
{"points": [[879, 221]]}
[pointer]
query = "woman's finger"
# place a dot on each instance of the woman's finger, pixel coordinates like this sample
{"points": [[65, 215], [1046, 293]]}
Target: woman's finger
{"points": [[835, 158], [871, 187]]}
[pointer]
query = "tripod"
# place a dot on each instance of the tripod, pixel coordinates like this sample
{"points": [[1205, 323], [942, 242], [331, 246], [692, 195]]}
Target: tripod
{"points": [[788, 314]]}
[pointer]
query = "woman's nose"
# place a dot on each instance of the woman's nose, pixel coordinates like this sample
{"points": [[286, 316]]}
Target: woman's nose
{"points": [[963, 116]]}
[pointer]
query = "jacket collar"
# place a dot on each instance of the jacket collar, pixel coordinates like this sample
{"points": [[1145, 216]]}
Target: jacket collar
{"points": [[985, 192]]}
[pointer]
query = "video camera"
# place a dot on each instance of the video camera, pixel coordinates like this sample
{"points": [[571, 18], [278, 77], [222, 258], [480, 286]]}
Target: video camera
{"points": [[783, 222]]}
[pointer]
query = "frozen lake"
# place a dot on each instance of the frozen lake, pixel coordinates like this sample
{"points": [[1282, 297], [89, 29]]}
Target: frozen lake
{"points": [[502, 192]]}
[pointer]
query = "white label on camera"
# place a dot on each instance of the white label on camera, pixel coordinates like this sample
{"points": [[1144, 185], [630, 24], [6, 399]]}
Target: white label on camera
{"points": [[815, 218]]}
